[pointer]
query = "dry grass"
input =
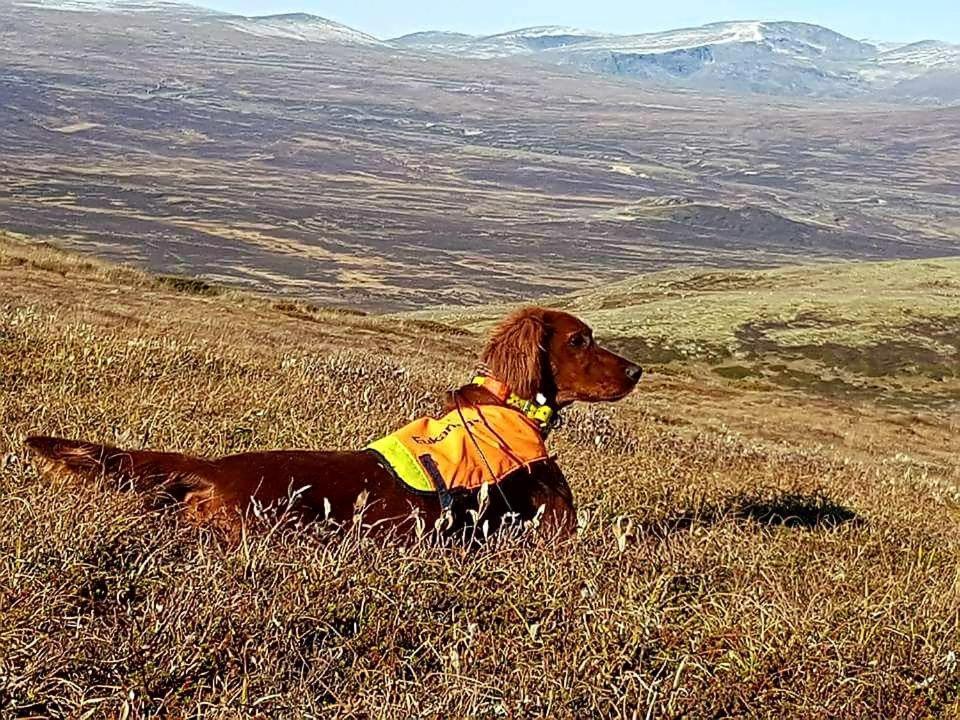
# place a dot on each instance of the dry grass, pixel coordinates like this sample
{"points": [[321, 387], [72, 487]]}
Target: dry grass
{"points": [[715, 575]]}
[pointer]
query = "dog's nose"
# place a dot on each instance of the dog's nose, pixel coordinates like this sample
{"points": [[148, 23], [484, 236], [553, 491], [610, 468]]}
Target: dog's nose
{"points": [[634, 372]]}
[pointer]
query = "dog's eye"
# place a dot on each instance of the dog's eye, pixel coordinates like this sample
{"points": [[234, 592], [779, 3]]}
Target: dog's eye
{"points": [[579, 341]]}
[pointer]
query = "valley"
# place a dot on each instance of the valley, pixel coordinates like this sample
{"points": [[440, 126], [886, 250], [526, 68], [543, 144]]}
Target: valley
{"points": [[351, 173]]}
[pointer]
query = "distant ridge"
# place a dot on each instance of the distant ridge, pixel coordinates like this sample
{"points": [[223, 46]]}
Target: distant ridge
{"points": [[780, 58], [784, 58], [302, 27]]}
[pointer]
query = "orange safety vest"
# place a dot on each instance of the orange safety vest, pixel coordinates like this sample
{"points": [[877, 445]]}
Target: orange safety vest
{"points": [[463, 449]]}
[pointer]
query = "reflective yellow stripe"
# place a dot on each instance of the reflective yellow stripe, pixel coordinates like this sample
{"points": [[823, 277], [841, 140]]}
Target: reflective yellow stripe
{"points": [[403, 462]]}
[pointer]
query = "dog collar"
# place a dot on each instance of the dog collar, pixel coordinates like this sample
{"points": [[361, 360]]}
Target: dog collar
{"points": [[536, 409]]}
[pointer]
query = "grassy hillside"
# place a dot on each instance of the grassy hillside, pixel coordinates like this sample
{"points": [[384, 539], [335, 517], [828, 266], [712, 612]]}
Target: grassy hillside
{"points": [[758, 573]]}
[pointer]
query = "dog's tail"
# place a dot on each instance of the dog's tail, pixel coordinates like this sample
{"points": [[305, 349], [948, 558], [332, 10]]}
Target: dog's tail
{"points": [[173, 474]]}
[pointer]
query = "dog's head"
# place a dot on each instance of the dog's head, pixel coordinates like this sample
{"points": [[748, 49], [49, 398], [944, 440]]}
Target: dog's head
{"points": [[537, 350]]}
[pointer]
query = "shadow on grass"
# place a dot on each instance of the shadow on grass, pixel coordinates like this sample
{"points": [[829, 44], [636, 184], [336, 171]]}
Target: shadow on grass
{"points": [[808, 512], [791, 510]]}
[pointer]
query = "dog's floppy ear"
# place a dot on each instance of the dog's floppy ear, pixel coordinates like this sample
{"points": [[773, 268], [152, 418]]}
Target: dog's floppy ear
{"points": [[515, 351]]}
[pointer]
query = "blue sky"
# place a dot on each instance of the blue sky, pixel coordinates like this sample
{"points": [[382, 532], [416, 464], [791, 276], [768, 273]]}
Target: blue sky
{"points": [[895, 20]]}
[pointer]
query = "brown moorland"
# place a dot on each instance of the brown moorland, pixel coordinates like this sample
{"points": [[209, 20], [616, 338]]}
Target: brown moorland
{"points": [[724, 567], [360, 175]]}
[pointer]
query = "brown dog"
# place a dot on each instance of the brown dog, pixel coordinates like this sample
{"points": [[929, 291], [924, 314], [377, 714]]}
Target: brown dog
{"points": [[536, 353]]}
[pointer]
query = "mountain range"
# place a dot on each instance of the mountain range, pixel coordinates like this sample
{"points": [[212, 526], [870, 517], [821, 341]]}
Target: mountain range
{"points": [[783, 58], [775, 58]]}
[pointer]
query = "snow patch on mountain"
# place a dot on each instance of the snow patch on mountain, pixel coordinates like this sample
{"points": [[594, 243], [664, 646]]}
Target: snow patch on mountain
{"points": [[544, 31], [786, 38], [435, 41], [927, 53], [120, 6], [301, 27], [674, 40], [524, 41]]}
